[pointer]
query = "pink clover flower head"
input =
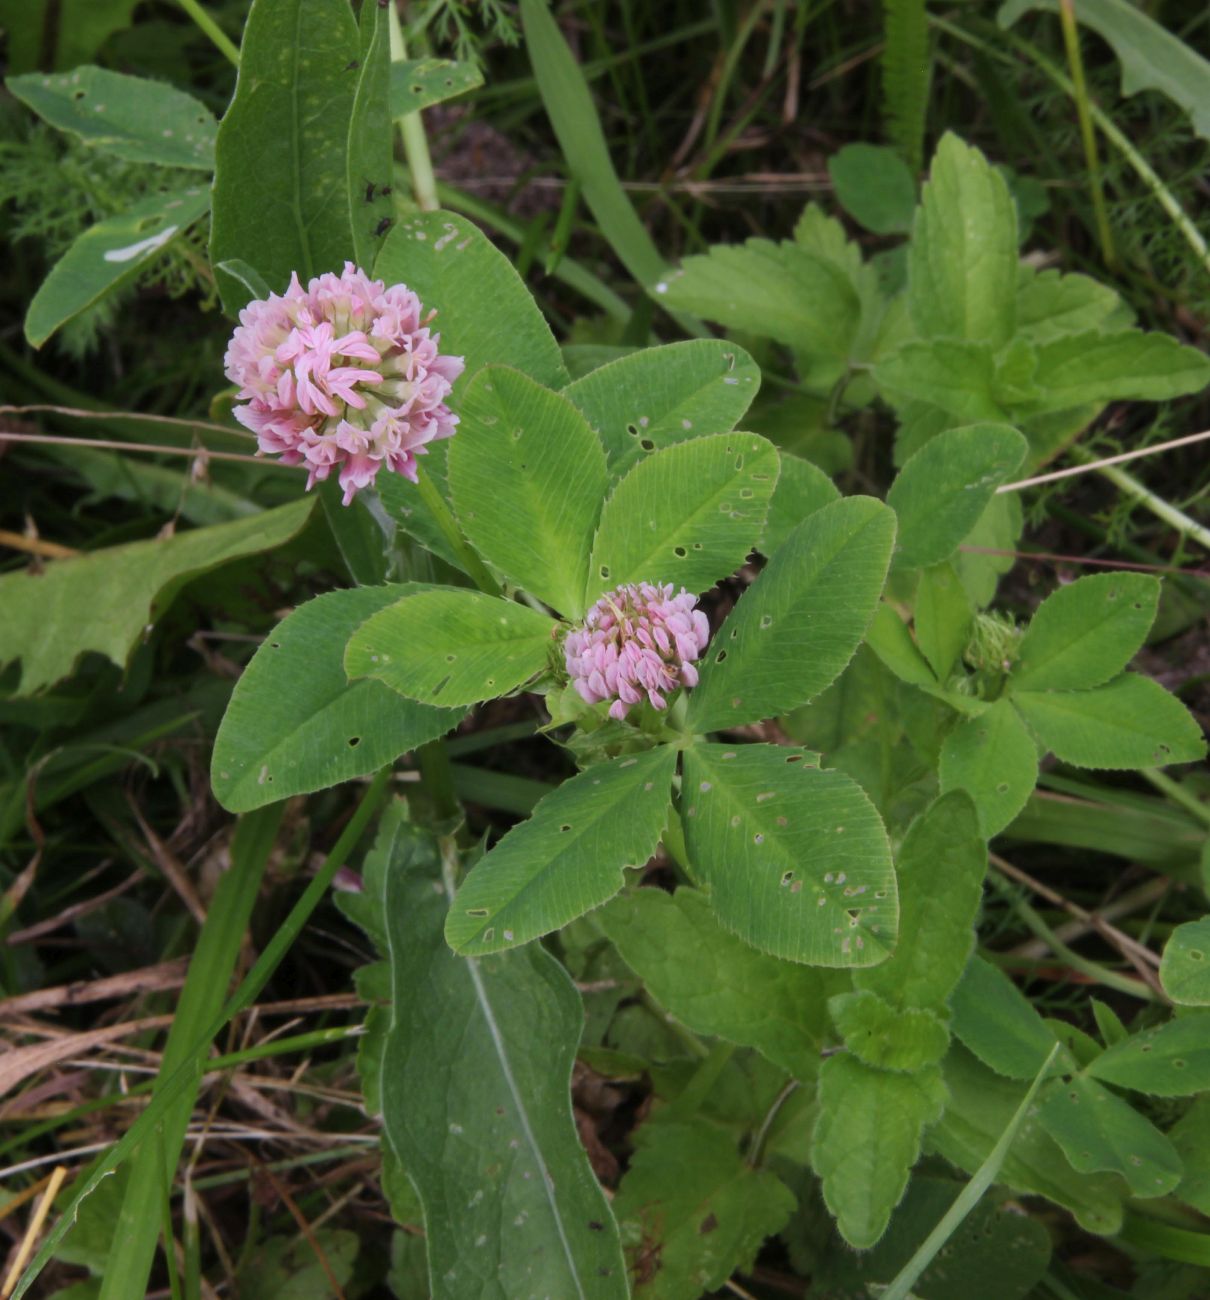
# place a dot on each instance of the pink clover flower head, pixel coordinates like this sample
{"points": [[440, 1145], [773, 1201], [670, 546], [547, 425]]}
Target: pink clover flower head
{"points": [[344, 374], [637, 640]]}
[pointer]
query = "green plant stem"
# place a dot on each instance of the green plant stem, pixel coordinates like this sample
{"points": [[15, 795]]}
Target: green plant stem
{"points": [[1177, 792], [438, 776], [441, 513], [1149, 500], [1075, 61], [411, 131], [219, 38]]}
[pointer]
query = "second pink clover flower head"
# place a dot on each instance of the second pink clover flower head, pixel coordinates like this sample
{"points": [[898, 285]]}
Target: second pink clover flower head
{"points": [[637, 640], [342, 373]]}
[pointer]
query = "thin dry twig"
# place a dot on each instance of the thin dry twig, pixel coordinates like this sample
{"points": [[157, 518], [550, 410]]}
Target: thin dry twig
{"points": [[31, 1234], [1119, 459]]}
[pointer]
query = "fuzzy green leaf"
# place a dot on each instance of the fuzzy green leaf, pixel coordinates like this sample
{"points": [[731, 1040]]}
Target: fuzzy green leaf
{"points": [[568, 857], [946, 373], [886, 1036], [527, 476], [1050, 305], [447, 646], [994, 759], [1172, 1060], [867, 1139], [1099, 1132], [944, 488], [1086, 632], [1131, 722], [940, 869], [1183, 971], [104, 601], [279, 183], [795, 860], [131, 118], [713, 982], [691, 1211], [1126, 364], [799, 624], [962, 261], [663, 395], [689, 514], [296, 724], [476, 1103], [997, 1022]]}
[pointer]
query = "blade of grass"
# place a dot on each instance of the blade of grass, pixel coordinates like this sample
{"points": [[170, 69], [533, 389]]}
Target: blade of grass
{"points": [[969, 1197], [175, 1084], [138, 1227]]}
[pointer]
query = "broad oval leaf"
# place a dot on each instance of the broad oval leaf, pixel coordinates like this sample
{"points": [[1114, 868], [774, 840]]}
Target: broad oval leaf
{"points": [[527, 476], [1172, 1060], [801, 621], [1086, 632], [279, 180], [1131, 722], [476, 1103], [795, 860], [874, 186], [944, 488], [1099, 1132], [109, 254], [1184, 969], [129, 117], [448, 646], [662, 395], [715, 983], [296, 724], [568, 857], [995, 760], [867, 1139], [802, 488], [688, 515]]}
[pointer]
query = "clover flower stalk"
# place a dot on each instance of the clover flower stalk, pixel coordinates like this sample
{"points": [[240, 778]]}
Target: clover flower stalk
{"points": [[344, 373], [637, 640]]}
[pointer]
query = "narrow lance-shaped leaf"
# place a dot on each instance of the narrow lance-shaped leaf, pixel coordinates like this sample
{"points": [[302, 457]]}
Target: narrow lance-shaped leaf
{"points": [[942, 618], [662, 395], [527, 476], [368, 157], [795, 860], [568, 857], [108, 255], [1171, 1060], [802, 620], [688, 515], [476, 1103], [448, 646], [1097, 367], [296, 724], [997, 1022]]}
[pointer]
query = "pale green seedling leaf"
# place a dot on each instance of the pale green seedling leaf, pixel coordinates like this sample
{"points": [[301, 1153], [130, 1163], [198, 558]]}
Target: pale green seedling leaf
{"points": [[875, 187], [1172, 1060], [795, 860], [368, 158], [942, 618], [940, 868], [476, 1103], [447, 646], [1183, 970], [1126, 364], [527, 477], [485, 314], [568, 857], [802, 488], [689, 514], [950, 374], [997, 1022], [1086, 632], [981, 1107], [1131, 722], [888, 1037], [109, 254], [1152, 57], [1050, 305], [867, 1139], [128, 117], [713, 982], [421, 83], [691, 1211], [1099, 1132], [295, 723], [663, 395], [802, 620], [995, 760], [279, 182], [940, 493], [104, 601], [962, 261]]}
